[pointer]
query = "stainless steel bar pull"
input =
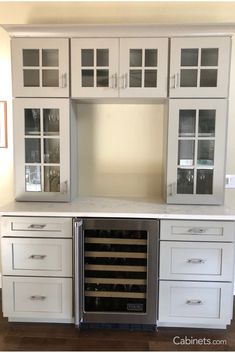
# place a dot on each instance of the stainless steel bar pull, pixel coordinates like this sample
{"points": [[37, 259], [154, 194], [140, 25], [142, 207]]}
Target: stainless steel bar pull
{"points": [[37, 257], [194, 302], [37, 297], [196, 261], [37, 226], [197, 230]]}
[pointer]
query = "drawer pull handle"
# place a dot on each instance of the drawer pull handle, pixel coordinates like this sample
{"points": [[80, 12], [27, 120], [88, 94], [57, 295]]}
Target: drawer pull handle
{"points": [[37, 297], [37, 226], [194, 302], [196, 261], [196, 230], [37, 257]]}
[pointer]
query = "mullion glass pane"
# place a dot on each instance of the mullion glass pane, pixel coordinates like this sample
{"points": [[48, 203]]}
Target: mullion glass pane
{"points": [[135, 79], [187, 122], [50, 57], [32, 121], [51, 150], [208, 77], [31, 78], [102, 78], [186, 152], [185, 181], [188, 77], [32, 150], [102, 57], [150, 78], [52, 179], [204, 181], [87, 56], [33, 178], [150, 57], [87, 78], [136, 57], [205, 154], [30, 57], [189, 57], [209, 56], [50, 78], [51, 121], [206, 125]]}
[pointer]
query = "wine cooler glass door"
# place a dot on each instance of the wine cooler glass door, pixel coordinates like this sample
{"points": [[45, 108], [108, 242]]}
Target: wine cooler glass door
{"points": [[119, 276]]}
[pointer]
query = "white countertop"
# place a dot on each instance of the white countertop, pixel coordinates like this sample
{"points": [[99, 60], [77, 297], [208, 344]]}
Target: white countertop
{"points": [[119, 208]]}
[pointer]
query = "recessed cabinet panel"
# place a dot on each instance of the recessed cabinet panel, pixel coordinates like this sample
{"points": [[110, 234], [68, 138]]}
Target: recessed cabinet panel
{"points": [[42, 147], [196, 151], [94, 64], [199, 67], [40, 67], [143, 67]]}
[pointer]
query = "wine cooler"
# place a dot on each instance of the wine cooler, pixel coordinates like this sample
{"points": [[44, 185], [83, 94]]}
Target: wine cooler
{"points": [[116, 269]]}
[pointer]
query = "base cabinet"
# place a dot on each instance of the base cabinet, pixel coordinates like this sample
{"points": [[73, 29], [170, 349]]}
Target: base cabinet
{"points": [[199, 304], [37, 298]]}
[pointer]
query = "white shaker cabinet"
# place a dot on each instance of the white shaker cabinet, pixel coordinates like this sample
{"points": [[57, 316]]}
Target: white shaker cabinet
{"points": [[119, 67], [199, 67], [40, 67], [143, 67], [42, 149], [94, 63], [196, 151]]}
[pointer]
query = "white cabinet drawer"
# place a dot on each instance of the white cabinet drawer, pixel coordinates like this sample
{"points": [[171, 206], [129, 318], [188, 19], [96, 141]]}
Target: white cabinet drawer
{"points": [[41, 298], [36, 227], [37, 257], [208, 303], [196, 261], [197, 230]]}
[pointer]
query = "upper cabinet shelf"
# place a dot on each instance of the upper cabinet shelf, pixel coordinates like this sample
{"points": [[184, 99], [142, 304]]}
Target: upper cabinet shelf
{"points": [[199, 67], [40, 67], [126, 67]]}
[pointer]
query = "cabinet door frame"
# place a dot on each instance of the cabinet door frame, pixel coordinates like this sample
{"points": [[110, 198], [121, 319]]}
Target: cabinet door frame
{"points": [[161, 44], [217, 197], [221, 90], [62, 44], [19, 149], [77, 44]]}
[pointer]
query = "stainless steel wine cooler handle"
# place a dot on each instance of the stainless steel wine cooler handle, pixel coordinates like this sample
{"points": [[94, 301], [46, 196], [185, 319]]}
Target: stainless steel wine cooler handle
{"points": [[77, 268]]}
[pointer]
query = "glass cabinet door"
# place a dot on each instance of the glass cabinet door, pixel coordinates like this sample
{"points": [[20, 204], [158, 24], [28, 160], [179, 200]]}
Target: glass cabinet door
{"points": [[40, 67], [95, 67], [196, 151], [199, 67], [143, 67], [41, 154]]}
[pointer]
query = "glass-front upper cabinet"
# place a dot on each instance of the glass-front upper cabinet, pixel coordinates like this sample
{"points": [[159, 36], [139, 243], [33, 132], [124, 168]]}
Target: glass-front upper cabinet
{"points": [[94, 63], [40, 67], [143, 67], [196, 151], [199, 67], [41, 149]]}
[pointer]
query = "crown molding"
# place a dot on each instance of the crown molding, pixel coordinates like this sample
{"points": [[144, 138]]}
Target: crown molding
{"points": [[125, 30]]}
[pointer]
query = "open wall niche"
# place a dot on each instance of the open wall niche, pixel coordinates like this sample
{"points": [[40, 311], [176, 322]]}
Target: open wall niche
{"points": [[120, 150]]}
